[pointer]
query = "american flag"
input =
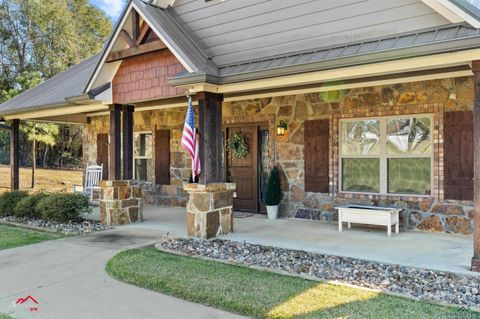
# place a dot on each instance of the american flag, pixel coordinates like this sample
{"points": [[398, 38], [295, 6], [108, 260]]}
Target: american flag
{"points": [[189, 139]]}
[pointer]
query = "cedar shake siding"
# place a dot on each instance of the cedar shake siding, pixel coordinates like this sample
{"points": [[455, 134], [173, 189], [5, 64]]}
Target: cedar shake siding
{"points": [[144, 77]]}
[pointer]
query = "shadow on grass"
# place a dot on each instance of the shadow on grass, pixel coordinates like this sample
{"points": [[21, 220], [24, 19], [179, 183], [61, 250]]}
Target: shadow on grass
{"points": [[261, 294]]}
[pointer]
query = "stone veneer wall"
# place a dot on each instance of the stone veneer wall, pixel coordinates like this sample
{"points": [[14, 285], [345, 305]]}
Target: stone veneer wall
{"points": [[433, 213], [180, 163]]}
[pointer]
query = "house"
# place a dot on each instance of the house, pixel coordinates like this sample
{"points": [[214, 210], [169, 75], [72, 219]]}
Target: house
{"points": [[378, 101]]}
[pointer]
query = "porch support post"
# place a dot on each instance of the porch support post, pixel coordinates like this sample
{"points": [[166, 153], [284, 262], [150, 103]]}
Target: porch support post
{"points": [[127, 127], [15, 155], [210, 203], [210, 130], [114, 146], [476, 167]]}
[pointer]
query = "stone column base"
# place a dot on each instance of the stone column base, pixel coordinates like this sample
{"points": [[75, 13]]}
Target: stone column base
{"points": [[121, 202], [209, 209], [475, 265]]}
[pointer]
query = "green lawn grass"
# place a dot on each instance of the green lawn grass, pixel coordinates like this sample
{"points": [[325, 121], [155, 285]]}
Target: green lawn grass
{"points": [[258, 293], [13, 237]]}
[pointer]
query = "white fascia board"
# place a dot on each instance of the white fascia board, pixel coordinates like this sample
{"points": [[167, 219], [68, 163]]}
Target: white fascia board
{"points": [[445, 12], [339, 74], [473, 21], [109, 48]]}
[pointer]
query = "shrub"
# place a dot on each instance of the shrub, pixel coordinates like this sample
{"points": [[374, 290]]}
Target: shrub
{"points": [[63, 207], [9, 200], [27, 207], [273, 191]]}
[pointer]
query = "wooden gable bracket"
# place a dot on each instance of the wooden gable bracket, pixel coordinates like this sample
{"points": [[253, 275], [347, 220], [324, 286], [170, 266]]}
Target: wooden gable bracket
{"points": [[144, 31], [124, 34], [137, 42], [134, 51]]}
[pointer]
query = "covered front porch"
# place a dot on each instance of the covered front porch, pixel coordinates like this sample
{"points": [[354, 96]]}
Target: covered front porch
{"points": [[438, 251]]}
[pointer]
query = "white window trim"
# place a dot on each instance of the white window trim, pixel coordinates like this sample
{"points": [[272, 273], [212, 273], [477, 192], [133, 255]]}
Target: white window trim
{"points": [[140, 157], [383, 156]]}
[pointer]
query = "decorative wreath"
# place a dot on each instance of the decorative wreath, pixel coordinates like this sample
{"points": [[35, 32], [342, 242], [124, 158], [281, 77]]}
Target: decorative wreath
{"points": [[237, 145]]}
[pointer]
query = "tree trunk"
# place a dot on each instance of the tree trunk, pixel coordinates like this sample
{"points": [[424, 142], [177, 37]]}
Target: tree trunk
{"points": [[44, 162]]}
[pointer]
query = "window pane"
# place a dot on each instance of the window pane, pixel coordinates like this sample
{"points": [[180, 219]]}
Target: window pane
{"points": [[360, 137], [361, 175], [409, 136], [409, 176], [144, 170], [143, 145]]}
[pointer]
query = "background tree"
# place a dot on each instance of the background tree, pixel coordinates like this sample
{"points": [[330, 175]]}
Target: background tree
{"points": [[47, 36], [39, 39]]}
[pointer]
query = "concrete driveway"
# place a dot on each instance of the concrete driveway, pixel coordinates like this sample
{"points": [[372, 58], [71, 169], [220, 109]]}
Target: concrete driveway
{"points": [[68, 279]]}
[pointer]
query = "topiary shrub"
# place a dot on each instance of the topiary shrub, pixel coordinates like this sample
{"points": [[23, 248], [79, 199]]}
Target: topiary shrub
{"points": [[273, 191], [63, 207], [9, 200], [27, 207]]}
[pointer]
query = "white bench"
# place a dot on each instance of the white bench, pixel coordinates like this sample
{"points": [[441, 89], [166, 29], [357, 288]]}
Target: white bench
{"points": [[369, 215]]}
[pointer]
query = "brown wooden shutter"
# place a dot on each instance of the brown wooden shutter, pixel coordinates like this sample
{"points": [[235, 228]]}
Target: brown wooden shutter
{"points": [[316, 156], [102, 153], [458, 155], [162, 157]]}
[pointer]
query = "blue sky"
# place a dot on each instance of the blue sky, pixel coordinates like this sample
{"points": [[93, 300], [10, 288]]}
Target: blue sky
{"points": [[112, 8]]}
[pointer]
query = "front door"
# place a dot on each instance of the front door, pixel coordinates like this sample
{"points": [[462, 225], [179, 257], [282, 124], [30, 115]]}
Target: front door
{"points": [[243, 171]]}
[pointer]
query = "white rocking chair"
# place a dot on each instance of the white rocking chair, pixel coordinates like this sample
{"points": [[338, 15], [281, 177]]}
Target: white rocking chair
{"points": [[93, 175]]}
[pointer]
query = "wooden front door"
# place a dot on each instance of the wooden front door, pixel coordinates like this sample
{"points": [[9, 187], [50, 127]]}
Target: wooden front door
{"points": [[244, 171]]}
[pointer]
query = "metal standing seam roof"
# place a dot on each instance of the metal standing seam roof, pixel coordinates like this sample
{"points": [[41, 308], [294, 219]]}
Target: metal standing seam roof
{"points": [[54, 90], [73, 82], [409, 40]]}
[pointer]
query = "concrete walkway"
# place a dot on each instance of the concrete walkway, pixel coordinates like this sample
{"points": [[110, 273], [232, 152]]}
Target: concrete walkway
{"points": [[68, 279], [440, 251]]}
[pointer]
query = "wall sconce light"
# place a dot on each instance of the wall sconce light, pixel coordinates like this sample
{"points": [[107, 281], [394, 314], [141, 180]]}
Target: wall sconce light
{"points": [[452, 94], [281, 128]]}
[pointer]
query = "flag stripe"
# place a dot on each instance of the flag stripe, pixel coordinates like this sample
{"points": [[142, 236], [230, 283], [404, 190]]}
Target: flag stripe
{"points": [[189, 139]]}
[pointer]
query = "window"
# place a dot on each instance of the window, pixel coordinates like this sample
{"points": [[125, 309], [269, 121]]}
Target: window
{"points": [[388, 155], [142, 156]]}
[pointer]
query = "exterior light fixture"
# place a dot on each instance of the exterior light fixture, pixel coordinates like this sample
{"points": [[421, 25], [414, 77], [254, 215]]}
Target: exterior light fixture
{"points": [[281, 128], [2, 121]]}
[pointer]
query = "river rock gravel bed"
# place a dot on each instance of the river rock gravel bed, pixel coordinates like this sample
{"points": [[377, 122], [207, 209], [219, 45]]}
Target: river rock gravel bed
{"points": [[86, 226], [423, 284]]}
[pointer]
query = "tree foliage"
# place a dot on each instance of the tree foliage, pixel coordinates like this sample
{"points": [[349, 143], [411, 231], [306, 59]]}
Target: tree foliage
{"points": [[39, 39], [46, 36]]}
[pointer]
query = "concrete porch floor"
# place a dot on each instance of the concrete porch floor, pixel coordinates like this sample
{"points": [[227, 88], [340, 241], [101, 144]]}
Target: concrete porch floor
{"points": [[439, 251]]}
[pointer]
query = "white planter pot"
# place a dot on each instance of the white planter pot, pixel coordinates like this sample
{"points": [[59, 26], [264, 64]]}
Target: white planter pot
{"points": [[272, 212]]}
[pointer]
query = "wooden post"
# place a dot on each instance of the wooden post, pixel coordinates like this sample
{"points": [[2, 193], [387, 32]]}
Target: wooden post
{"points": [[210, 130], [15, 155], [127, 127], [476, 167], [115, 145], [135, 25]]}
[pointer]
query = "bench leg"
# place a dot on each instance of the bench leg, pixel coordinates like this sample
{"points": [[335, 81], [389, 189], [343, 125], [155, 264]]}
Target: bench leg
{"points": [[349, 225], [397, 228], [389, 227], [339, 222]]}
